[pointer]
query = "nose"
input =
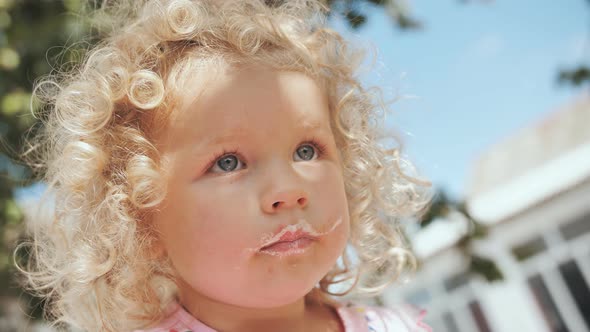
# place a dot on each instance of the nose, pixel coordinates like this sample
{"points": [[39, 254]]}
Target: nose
{"points": [[276, 201]]}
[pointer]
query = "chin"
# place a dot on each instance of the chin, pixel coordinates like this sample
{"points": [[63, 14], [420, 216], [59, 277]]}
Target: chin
{"points": [[280, 296]]}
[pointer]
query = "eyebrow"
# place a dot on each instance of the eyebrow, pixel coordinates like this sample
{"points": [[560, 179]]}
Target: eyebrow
{"points": [[241, 132], [310, 125], [235, 133], [208, 143]]}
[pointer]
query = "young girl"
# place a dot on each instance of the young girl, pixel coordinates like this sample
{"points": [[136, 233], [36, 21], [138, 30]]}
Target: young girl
{"points": [[215, 166]]}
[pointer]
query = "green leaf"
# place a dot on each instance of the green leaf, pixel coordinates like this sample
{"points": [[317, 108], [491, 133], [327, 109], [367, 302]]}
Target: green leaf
{"points": [[6, 4], [486, 268], [377, 2], [355, 19], [12, 212], [15, 103], [576, 76], [9, 58]]}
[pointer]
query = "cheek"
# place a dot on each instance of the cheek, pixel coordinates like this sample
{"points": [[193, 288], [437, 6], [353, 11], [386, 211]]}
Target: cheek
{"points": [[336, 200], [200, 223], [330, 199], [329, 189]]}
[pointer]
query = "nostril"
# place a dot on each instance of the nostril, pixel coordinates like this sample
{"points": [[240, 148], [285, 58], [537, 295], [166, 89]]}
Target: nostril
{"points": [[301, 201]]}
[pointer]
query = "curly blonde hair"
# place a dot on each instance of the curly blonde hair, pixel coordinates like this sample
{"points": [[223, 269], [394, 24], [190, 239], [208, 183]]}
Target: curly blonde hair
{"points": [[93, 260]]}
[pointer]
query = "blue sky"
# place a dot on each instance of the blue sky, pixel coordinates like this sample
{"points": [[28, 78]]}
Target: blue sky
{"points": [[477, 72]]}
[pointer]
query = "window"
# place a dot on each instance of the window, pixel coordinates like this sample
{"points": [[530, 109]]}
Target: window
{"points": [[456, 281], [576, 228], [546, 304], [578, 287], [450, 323], [479, 317], [529, 248]]}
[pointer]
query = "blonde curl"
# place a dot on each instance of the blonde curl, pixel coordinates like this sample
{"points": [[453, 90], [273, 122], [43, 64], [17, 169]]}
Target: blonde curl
{"points": [[146, 90], [184, 17]]}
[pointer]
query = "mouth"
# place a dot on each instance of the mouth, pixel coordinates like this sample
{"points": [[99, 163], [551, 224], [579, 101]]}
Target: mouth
{"points": [[290, 240]]}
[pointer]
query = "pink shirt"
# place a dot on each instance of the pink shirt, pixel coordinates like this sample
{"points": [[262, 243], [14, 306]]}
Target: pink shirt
{"points": [[354, 318]]}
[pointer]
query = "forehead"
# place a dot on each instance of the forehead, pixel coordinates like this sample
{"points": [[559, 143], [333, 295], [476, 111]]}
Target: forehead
{"points": [[230, 102]]}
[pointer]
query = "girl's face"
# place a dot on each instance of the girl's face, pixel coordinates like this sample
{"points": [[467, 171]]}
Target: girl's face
{"points": [[256, 212]]}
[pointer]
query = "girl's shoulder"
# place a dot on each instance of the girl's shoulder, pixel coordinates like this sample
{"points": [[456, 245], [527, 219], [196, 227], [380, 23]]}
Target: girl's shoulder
{"points": [[399, 318], [178, 320], [354, 317]]}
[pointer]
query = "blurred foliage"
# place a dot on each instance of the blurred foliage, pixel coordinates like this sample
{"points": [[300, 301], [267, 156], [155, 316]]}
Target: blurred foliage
{"points": [[578, 75], [354, 12], [29, 33], [444, 207]]}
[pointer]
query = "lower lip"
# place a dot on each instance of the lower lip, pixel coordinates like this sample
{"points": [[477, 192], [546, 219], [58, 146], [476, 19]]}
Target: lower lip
{"points": [[288, 248]]}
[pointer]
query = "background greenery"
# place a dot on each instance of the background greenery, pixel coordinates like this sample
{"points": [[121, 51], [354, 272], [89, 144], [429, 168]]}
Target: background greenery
{"points": [[32, 38]]}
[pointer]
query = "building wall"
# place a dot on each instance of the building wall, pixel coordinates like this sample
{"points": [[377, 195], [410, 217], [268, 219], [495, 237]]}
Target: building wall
{"points": [[549, 246], [550, 238], [533, 192]]}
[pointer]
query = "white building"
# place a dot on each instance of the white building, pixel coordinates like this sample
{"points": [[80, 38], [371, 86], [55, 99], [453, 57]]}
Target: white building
{"points": [[533, 191]]}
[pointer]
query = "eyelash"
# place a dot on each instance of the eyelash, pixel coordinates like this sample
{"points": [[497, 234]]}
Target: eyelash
{"points": [[213, 160], [320, 148]]}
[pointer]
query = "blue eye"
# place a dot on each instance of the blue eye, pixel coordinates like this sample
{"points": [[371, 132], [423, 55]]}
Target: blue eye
{"points": [[227, 163], [305, 152]]}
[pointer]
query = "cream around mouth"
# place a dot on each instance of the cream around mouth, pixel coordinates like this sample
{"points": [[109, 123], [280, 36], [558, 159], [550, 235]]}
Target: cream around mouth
{"points": [[288, 236], [285, 248], [292, 239]]}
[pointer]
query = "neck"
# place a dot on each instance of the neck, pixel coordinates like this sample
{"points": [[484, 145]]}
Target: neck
{"points": [[298, 316]]}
